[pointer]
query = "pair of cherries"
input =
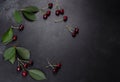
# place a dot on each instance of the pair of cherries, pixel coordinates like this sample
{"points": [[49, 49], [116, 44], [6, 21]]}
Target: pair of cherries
{"points": [[48, 13], [20, 28], [23, 66], [75, 32], [55, 67], [58, 12]]}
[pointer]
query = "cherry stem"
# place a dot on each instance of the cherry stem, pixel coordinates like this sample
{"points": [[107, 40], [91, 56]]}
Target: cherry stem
{"points": [[56, 21], [14, 27], [50, 64], [42, 10], [57, 4], [21, 63], [69, 28]]}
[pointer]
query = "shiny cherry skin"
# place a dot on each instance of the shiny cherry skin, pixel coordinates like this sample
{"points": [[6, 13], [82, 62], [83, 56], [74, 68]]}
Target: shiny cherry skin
{"points": [[45, 16], [50, 5], [24, 73], [48, 13], [57, 12], [18, 68], [21, 27], [76, 30], [62, 11], [14, 38], [65, 18]]}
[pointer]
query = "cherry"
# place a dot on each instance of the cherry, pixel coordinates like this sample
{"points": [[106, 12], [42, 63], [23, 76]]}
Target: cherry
{"points": [[50, 5], [31, 62], [48, 13], [76, 30], [14, 38], [65, 18], [21, 27], [59, 65], [24, 73], [55, 70], [25, 65], [57, 12], [45, 16], [18, 68], [62, 11], [74, 34]]}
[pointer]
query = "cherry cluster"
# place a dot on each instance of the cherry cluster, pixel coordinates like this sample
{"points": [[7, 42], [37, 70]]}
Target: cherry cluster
{"points": [[60, 11], [23, 65], [20, 28], [55, 67]]}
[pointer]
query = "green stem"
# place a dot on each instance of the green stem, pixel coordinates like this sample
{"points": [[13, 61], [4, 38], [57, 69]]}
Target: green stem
{"points": [[69, 28], [56, 21], [14, 27], [50, 65], [21, 64], [57, 4]]}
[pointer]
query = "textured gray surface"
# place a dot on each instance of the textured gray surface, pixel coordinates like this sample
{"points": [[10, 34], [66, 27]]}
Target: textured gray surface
{"points": [[93, 56]]}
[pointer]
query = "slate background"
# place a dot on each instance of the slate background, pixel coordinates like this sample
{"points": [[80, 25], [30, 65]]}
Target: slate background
{"points": [[93, 56]]}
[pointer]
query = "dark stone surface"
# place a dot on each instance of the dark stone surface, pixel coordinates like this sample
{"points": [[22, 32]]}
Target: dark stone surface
{"points": [[93, 56]]}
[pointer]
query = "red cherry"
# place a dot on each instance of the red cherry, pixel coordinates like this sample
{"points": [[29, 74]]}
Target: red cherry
{"points": [[45, 16], [24, 73], [18, 68], [73, 34], [50, 5], [21, 27], [55, 70], [65, 18], [31, 62], [25, 65], [48, 13], [57, 12], [59, 65], [76, 30], [14, 38], [62, 11]]}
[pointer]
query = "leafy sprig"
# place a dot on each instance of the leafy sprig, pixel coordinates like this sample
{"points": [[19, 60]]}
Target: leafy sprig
{"points": [[27, 12], [22, 53]]}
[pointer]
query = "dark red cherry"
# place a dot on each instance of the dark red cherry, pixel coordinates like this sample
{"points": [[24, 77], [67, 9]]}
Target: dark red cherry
{"points": [[14, 38], [18, 68], [65, 18], [21, 27], [50, 5], [25, 65], [73, 34], [55, 70], [30, 63], [48, 13], [57, 12], [45, 16], [24, 73], [62, 11], [76, 30], [59, 65]]}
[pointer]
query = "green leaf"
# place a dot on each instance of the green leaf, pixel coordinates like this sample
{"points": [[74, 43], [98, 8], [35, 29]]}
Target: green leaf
{"points": [[17, 16], [9, 53], [23, 53], [29, 16], [31, 9], [12, 60], [7, 37], [37, 74]]}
